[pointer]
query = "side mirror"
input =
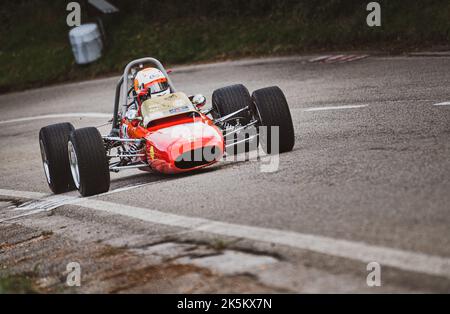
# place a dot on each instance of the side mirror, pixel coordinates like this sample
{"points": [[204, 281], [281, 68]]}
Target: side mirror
{"points": [[199, 101]]}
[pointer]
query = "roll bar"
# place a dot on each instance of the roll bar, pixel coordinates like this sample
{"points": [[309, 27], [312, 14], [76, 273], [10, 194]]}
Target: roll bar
{"points": [[124, 87]]}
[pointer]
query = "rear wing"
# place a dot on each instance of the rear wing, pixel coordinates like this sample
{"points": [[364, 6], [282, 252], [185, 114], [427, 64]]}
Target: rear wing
{"points": [[122, 88]]}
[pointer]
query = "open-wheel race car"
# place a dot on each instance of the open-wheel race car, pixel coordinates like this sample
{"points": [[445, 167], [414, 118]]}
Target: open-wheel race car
{"points": [[154, 127]]}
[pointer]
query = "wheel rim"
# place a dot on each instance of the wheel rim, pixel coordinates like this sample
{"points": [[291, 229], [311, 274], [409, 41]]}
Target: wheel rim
{"points": [[73, 161], [261, 141], [45, 162]]}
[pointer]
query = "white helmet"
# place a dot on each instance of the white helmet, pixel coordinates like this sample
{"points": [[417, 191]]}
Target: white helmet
{"points": [[151, 82]]}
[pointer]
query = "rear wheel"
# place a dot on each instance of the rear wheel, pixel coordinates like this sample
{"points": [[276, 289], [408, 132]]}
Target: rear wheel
{"points": [[273, 111], [53, 144], [88, 162]]}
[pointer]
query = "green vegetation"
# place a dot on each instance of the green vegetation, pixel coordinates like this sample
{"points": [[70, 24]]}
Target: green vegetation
{"points": [[35, 50], [17, 284]]}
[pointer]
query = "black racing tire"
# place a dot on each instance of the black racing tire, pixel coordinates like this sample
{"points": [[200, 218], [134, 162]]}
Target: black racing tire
{"points": [[229, 99], [53, 144], [88, 161], [272, 110]]}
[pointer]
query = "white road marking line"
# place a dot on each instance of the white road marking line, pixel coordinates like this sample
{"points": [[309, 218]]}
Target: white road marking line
{"points": [[337, 58], [445, 103], [360, 251], [41, 202], [60, 115], [23, 194], [125, 188], [357, 57], [334, 107], [46, 202], [333, 59], [347, 58], [317, 59]]}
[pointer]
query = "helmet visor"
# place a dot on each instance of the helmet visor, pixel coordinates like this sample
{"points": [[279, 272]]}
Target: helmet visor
{"points": [[158, 87]]}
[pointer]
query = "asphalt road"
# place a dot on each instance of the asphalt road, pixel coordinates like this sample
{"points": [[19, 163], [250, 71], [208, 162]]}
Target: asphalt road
{"points": [[375, 171]]}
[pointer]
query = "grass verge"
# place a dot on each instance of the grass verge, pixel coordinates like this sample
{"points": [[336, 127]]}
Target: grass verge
{"points": [[35, 51], [17, 284]]}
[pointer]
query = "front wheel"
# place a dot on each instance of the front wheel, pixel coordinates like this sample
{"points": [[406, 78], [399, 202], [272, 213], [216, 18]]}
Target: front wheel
{"points": [[53, 144], [229, 99], [88, 162], [273, 112]]}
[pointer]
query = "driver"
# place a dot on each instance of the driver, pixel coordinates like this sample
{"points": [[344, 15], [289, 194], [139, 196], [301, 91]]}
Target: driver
{"points": [[150, 82]]}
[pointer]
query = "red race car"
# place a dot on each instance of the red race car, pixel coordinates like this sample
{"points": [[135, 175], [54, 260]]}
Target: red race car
{"points": [[157, 128]]}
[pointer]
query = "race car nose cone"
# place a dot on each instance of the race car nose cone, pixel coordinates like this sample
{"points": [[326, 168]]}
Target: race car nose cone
{"points": [[199, 145], [188, 146], [198, 157]]}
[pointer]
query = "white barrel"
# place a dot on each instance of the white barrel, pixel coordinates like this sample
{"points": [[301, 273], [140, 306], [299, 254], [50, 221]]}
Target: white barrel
{"points": [[86, 43]]}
